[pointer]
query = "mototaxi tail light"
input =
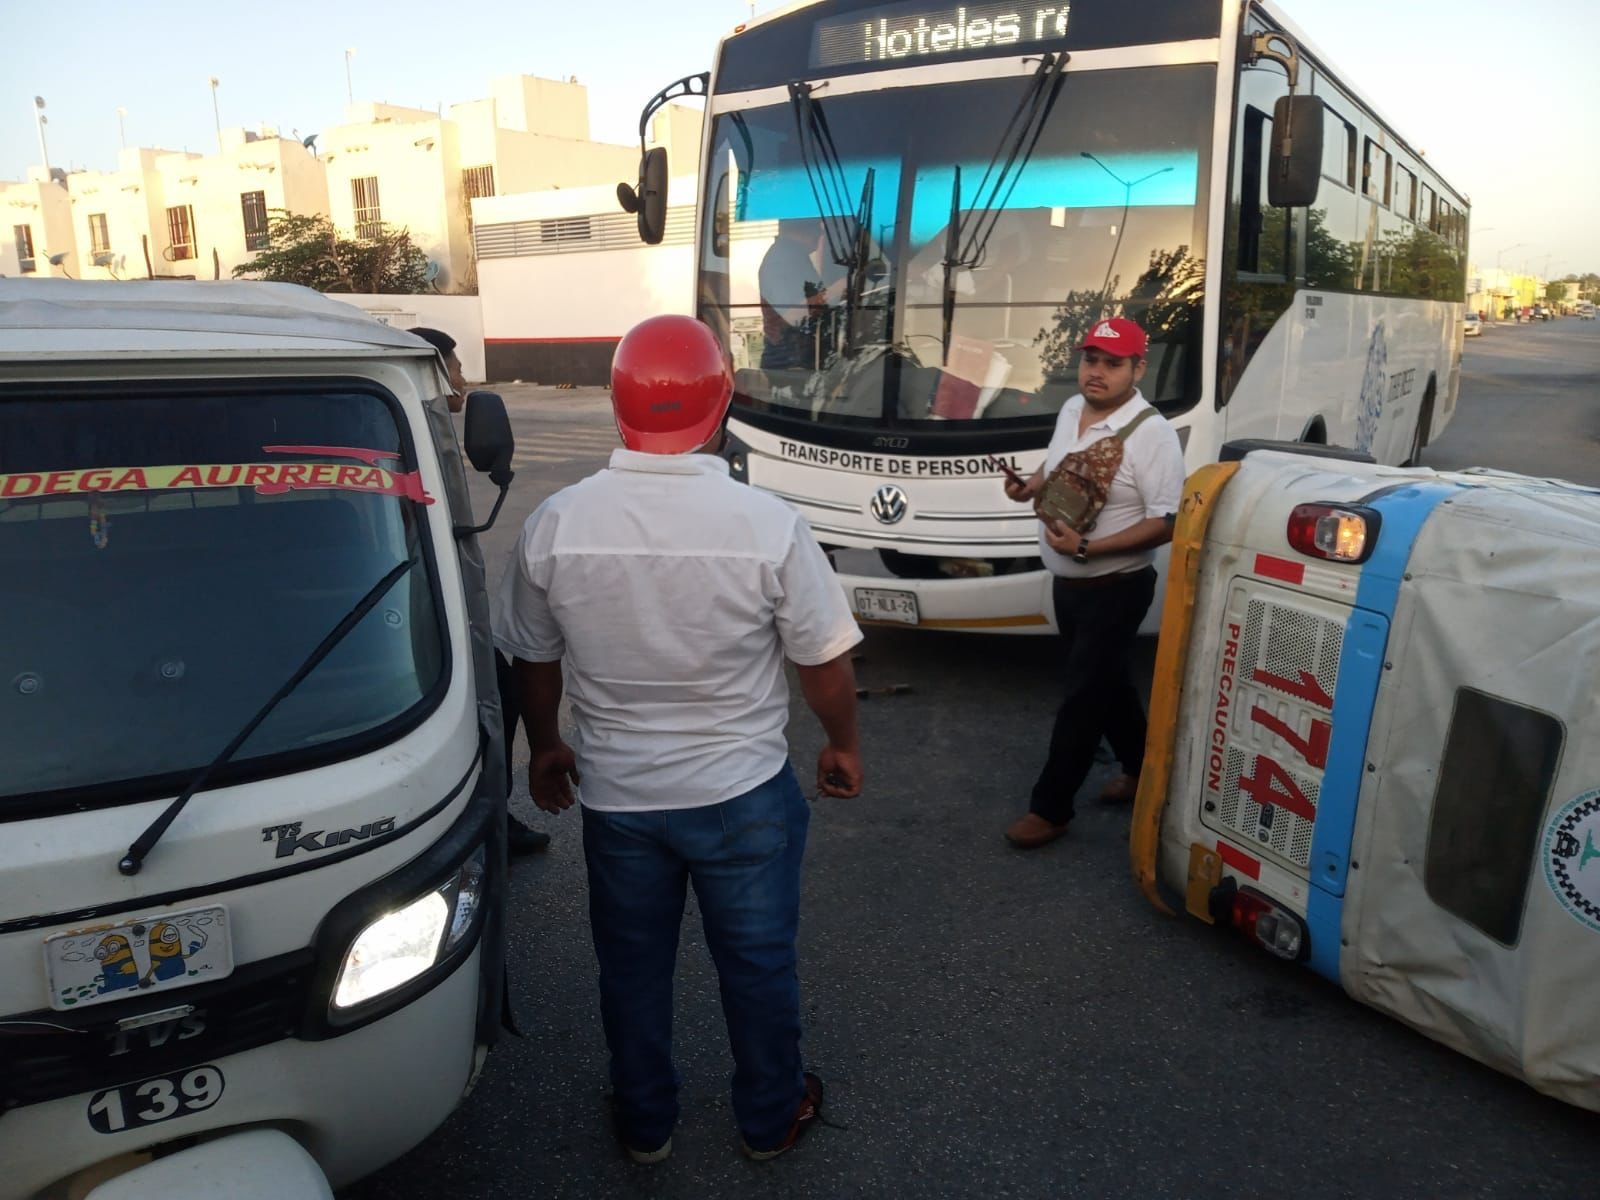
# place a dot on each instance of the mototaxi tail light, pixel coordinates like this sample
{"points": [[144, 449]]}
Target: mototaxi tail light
{"points": [[1336, 532], [1271, 926]]}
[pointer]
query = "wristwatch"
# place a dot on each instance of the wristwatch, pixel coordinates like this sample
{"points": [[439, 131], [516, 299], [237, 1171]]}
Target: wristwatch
{"points": [[1081, 554]]}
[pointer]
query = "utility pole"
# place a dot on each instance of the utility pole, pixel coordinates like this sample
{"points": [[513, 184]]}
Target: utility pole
{"points": [[216, 112], [40, 121]]}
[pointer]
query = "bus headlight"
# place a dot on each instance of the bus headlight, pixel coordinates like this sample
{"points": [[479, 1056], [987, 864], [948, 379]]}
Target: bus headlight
{"points": [[406, 942]]}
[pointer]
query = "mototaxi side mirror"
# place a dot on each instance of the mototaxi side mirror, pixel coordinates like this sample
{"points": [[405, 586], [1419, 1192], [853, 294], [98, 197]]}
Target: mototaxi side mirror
{"points": [[1295, 171], [487, 436], [490, 446]]}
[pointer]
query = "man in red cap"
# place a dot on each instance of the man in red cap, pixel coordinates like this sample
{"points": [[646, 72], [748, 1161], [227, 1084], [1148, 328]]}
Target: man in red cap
{"points": [[1103, 583], [671, 595]]}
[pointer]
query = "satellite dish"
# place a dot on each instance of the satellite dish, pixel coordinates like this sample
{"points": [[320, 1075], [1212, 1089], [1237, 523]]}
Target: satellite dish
{"points": [[55, 260], [431, 271], [310, 143]]}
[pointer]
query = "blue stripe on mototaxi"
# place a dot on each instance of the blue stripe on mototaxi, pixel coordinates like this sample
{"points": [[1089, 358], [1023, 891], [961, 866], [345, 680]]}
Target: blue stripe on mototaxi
{"points": [[1404, 512]]}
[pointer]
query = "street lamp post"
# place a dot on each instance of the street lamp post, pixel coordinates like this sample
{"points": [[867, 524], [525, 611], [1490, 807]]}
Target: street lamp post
{"points": [[1122, 225], [216, 112], [40, 121]]}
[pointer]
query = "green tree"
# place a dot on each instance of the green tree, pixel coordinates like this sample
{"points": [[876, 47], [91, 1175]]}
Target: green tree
{"points": [[309, 251], [1555, 292]]}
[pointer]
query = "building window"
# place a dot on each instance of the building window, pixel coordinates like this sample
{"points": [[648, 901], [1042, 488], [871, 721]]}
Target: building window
{"points": [[1494, 783], [180, 231], [24, 238], [99, 234], [476, 182], [1427, 214], [369, 215], [254, 205]]}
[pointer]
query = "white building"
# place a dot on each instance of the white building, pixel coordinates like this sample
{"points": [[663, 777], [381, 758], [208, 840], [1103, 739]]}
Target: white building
{"points": [[562, 274], [418, 170], [36, 226], [168, 214]]}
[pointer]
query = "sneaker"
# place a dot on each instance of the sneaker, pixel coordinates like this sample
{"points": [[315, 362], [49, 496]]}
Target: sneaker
{"points": [[522, 840], [1030, 831], [644, 1157], [804, 1118]]}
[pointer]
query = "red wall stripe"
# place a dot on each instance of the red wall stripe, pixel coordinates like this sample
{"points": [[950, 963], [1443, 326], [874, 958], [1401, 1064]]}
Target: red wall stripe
{"points": [[1239, 861]]}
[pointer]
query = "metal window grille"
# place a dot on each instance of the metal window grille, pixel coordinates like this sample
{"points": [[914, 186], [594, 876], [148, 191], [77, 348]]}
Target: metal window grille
{"points": [[476, 182], [254, 207], [24, 238], [369, 213], [99, 234], [180, 231], [601, 231]]}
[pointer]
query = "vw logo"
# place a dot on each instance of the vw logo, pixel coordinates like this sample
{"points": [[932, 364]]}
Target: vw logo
{"points": [[888, 504]]}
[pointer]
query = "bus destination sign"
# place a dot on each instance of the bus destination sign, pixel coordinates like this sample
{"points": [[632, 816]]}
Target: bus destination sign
{"points": [[905, 34]]}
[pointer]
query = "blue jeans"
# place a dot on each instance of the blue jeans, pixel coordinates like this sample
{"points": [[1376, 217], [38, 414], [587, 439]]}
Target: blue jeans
{"points": [[743, 857]]}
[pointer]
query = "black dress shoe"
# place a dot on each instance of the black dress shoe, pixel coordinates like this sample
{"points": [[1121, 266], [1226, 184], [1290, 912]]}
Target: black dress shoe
{"points": [[522, 840]]}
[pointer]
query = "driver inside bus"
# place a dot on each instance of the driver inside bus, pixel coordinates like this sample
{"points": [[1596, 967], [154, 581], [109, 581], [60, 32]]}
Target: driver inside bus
{"points": [[797, 289]]}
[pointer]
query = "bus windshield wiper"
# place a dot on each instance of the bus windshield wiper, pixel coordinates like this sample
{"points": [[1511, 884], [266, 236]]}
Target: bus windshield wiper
{"points": [[819, 155], [966, 242], [849, 236], [146, 841]]}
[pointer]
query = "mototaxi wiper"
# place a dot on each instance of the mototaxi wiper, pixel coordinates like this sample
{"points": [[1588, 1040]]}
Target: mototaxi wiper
{"points": [[146, 841]]}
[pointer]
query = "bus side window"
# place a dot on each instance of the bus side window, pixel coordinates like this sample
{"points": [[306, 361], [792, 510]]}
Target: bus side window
{"points": [[1494, 784]]}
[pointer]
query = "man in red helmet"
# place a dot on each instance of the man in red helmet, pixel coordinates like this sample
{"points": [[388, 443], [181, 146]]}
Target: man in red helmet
{"points": [[671, 595]]}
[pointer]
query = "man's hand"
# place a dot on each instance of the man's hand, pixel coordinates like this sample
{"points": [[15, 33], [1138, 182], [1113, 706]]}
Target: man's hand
{"points": [[551, 773], [838, 773], [1026, 491], [1060, 538]]}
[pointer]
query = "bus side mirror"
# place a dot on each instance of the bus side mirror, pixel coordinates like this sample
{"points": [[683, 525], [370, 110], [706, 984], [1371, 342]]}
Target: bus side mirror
{"points": [[649, 200], [488, 438], [1296, 167]]}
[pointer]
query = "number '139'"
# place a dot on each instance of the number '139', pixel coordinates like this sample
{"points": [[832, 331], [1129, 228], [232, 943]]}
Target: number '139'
{"points": [[151, 1101]]}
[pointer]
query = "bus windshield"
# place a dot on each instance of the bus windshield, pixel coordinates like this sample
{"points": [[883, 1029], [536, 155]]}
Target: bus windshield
{"points": [[828, 261], [178, 554]]}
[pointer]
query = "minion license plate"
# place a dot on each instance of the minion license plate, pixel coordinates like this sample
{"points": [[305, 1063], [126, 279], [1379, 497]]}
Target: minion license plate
{"points": [[151, 954]]}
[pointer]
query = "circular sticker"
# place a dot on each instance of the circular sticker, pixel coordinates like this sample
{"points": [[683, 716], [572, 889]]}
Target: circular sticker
{"points": [[1572, 857]]}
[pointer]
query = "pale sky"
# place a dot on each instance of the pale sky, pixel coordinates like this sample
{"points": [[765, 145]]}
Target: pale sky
{"points": [[1497, 94]]}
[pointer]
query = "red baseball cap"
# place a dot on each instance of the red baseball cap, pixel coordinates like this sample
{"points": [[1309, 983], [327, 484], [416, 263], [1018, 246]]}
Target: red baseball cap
{"points": [[1119, 336]]}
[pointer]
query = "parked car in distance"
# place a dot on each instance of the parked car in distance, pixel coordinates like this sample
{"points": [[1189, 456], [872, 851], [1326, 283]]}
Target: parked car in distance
{"points": [[1474, 327]]}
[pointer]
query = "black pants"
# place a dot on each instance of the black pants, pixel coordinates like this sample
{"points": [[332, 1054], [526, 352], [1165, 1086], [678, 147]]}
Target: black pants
{"points": [[1098, 621]]}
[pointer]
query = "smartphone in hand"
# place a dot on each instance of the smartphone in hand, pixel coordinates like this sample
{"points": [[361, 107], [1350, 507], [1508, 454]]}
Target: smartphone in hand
{"points": [[1010, 474]]}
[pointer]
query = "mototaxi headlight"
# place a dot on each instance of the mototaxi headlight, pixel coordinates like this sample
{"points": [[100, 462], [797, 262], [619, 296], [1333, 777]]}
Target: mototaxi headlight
{"points": [[403, 944]]}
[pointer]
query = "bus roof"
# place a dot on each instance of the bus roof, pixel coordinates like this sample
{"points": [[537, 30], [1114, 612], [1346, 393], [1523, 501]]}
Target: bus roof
{"points": [[74, 319]]}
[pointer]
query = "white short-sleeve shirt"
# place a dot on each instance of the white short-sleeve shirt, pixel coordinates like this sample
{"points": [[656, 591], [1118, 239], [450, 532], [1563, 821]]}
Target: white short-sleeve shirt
{"points": [[1149, 483], [672, 594]]}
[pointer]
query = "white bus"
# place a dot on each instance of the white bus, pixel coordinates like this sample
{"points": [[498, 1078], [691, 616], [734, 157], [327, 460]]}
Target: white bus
{"points": [[985, 181]]}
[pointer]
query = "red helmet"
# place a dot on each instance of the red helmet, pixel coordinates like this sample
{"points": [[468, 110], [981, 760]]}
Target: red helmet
{"points": [[670, 386]]}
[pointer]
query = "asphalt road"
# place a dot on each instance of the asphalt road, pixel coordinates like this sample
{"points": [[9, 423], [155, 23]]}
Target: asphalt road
{"points": [[999, 1024]]}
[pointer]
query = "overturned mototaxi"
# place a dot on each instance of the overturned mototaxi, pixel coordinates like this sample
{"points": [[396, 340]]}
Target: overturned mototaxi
{"points": [[251, 773], [1372, 744]]}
